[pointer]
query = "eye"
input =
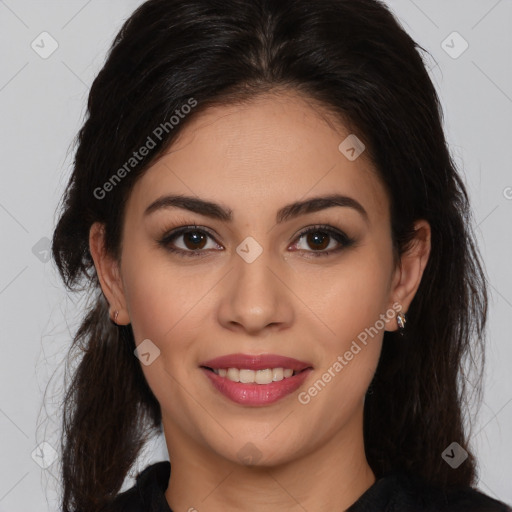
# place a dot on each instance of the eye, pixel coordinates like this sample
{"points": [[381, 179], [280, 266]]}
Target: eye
{"points": [[318, 238], [194, 240]]}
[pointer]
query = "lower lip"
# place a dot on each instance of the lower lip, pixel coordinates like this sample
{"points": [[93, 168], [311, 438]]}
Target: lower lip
{"points": [[256, 394]]}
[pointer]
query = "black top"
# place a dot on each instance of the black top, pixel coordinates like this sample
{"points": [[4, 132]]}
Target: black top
{"points": [[397, 492]]}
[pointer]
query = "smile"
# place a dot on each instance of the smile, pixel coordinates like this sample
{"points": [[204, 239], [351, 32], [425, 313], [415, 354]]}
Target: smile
{"points": [[253, 394]]}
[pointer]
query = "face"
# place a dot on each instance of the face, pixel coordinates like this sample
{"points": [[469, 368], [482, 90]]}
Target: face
{"points": [[256, 284]]}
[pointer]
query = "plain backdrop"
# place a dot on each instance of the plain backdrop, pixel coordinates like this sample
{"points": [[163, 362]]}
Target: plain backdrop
{"points": [[42, 104]]}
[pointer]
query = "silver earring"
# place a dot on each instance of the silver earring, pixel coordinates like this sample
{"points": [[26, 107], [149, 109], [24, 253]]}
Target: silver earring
{"points": [[116, 314], [401, 320]]}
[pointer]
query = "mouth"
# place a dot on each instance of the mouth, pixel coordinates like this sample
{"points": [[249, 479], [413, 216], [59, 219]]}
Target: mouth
{"points": [[254, 394], [256, 380], [257, 368]]}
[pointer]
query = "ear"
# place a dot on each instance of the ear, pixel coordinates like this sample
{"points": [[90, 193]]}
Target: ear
{"points": [[409, 271], [109, 274]]}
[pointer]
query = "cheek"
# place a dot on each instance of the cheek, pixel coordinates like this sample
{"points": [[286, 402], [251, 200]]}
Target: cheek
{"points": [[165, 307], [158, 294], [349, 300], [347, 297]]}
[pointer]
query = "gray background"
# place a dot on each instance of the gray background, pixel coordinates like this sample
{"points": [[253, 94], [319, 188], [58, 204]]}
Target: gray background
{"points": [[42, 104]]}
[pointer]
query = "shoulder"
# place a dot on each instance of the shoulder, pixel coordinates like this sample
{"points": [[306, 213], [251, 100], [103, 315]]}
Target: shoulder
{"points": [[403, 492], [430, 497], [148, 493]]}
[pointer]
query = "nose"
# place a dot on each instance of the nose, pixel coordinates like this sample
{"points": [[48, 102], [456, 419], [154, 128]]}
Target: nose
{"points": [[257, 296]]}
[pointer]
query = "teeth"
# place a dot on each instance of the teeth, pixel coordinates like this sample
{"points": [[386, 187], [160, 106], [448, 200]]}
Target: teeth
{"points": [[255, 376]]}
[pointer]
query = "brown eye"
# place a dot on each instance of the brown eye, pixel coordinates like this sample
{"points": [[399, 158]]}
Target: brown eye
{"points": [[317, 240], [320, 238], [194, 241]]}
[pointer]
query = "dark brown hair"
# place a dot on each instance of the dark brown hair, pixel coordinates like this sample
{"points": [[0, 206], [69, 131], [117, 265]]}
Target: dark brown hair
{"points": [[352, 57]]}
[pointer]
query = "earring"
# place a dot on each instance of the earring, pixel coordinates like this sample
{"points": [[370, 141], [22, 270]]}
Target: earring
{"points": [[116, 314], [401, 320]]}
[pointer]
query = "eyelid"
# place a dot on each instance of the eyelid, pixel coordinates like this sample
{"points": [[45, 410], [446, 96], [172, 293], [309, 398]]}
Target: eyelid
{"points": [[174, 233], [344, 241]]}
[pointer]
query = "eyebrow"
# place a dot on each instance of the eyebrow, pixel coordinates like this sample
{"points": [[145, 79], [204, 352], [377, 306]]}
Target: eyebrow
{"points": [[291, 211]]}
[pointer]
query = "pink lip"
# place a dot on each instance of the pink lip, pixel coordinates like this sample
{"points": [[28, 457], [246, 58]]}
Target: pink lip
{"points": [[255, 362], [256, 394]]}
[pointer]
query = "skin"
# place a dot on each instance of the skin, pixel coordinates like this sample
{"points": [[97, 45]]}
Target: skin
{"points": [[256, 158]]}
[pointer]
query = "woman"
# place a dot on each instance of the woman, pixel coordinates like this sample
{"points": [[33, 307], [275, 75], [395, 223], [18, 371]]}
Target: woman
{"points": [[283, 274]]}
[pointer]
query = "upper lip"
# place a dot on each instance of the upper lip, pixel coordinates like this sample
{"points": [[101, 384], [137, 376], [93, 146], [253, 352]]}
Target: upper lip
{"points": [[255, 362]]}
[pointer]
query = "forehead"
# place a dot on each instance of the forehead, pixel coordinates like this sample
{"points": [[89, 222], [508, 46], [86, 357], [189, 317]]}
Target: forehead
{"points": [[260, 155]]}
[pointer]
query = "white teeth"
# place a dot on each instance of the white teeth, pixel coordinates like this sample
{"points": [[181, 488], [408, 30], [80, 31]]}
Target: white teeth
{"points": [[263, 376], [277, 374], [255, 376], [233, 374]]}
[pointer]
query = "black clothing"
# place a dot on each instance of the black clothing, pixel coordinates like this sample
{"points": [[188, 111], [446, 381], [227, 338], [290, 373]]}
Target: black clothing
{"points": [[397, 492]]}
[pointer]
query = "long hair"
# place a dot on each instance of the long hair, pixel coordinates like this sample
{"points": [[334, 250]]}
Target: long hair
{"points": [[353, 58]]}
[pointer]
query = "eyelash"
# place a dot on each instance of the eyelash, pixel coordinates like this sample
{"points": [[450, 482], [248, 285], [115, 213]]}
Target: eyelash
{"points": [[339, 236]]}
